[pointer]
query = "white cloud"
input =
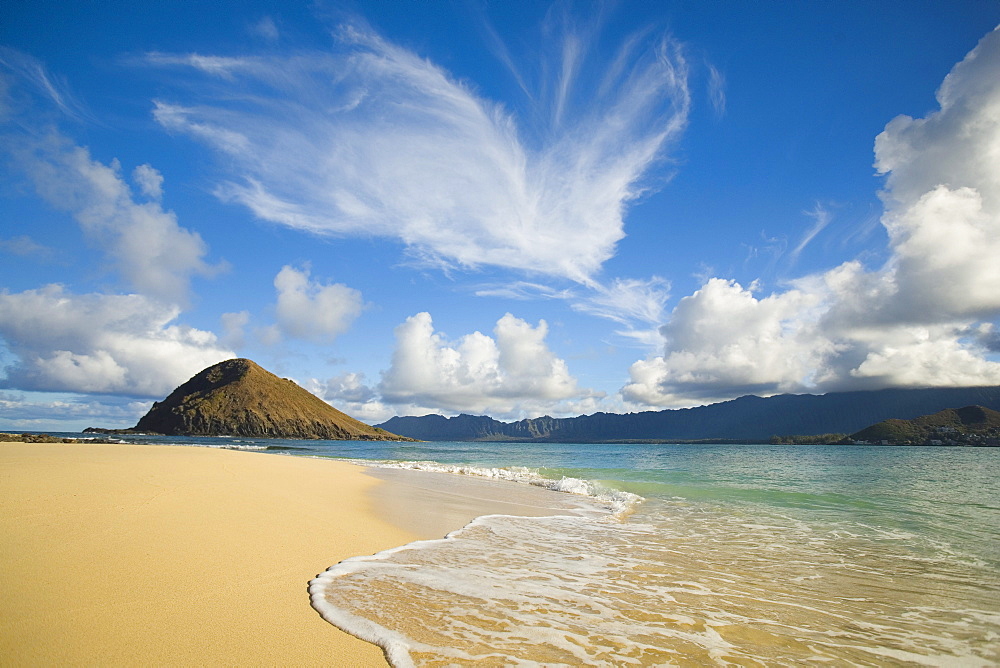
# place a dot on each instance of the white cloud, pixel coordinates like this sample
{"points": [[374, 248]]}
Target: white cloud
{"points": [[219, 66], [347, 387], [127, 344], [311, 310], [110, 344], [628, 300], [723, 340], [149, 180], [25, 246], [821, 218], [925, 356], [717, 90], [39, 81], [152, 252], [350, 393], [266, 29], [513, 374], [943, 195], [372, 139], [176, 117], [233, 328], [371, 412], [69, 413], [923, 319], [524, 291]]}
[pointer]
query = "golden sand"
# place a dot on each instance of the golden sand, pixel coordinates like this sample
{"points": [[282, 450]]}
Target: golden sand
{"points": [[154, 555]]}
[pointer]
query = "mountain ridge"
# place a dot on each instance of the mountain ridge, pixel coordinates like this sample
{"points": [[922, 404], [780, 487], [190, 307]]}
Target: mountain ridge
{"points": [[746, 418]]}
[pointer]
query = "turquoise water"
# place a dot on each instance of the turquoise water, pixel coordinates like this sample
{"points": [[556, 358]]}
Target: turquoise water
{"points": [[707, 555]]}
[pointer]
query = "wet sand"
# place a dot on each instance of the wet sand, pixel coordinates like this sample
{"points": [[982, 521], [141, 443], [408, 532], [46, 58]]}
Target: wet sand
{"points": [[432, 504]]}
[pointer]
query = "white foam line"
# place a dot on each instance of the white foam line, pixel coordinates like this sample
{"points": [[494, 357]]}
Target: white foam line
{"points": [[619, 503], [395, 645]]}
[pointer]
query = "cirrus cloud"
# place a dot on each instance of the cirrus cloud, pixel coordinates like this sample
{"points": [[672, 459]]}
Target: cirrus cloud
{"points": [[372, 139]]}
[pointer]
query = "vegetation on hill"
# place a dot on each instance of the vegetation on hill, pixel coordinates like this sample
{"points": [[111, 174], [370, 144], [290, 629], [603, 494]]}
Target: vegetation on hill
{"points": [[239, 398], [972, 425], [812, 439]]}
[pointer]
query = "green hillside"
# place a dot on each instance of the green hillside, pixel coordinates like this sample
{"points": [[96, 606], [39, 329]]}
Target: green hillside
{"points": [[972, 425]]}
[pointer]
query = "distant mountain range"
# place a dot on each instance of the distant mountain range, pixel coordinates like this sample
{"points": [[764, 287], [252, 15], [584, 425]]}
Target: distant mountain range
{"points": [[748, 418]]}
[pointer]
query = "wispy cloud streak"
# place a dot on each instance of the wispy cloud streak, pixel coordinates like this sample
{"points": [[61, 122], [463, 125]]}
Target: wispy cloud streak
{"points": [[821, 218], [717, 90], [31, 72], [372, 139]]}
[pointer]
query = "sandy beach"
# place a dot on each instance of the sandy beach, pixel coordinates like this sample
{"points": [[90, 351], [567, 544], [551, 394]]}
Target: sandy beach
{"points": [[155, 555]]}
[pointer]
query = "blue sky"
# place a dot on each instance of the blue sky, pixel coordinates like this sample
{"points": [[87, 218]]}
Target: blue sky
{"points": [[513, 209]]}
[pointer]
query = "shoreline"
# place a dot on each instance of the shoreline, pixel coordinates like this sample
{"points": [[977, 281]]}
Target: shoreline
{"points": [[149, 554]]}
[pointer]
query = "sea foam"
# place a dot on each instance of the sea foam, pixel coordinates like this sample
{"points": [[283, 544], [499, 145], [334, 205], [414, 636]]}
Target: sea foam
{"points": [[619, 503], [679, 583]]}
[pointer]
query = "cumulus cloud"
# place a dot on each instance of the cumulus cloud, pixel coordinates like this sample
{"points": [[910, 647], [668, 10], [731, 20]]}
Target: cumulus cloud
{"points": [[925, 318], [94, 343], [511, 373], [151, 251], [351, 393], [149, 181], [372, 139], [156, 255], [348, 387], [311, 310], [723, 339]]}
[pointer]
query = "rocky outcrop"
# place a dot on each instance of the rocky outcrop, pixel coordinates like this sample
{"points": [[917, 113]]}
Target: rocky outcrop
{"points": [[239, 398]]}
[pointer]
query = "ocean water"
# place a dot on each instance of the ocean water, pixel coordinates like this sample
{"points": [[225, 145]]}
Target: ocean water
{"points": [[748, 555]]}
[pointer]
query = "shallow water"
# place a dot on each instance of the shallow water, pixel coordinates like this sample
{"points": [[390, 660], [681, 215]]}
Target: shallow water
{"points": [[737, 555], [695, 589], [702, 555]]}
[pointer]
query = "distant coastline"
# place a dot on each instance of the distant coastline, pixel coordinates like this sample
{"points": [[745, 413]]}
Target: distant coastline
{"points": [[749, 419]]}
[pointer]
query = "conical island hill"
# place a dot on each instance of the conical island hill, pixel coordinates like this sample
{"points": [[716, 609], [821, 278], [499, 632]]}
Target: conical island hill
{"points": [[239, 398]]}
